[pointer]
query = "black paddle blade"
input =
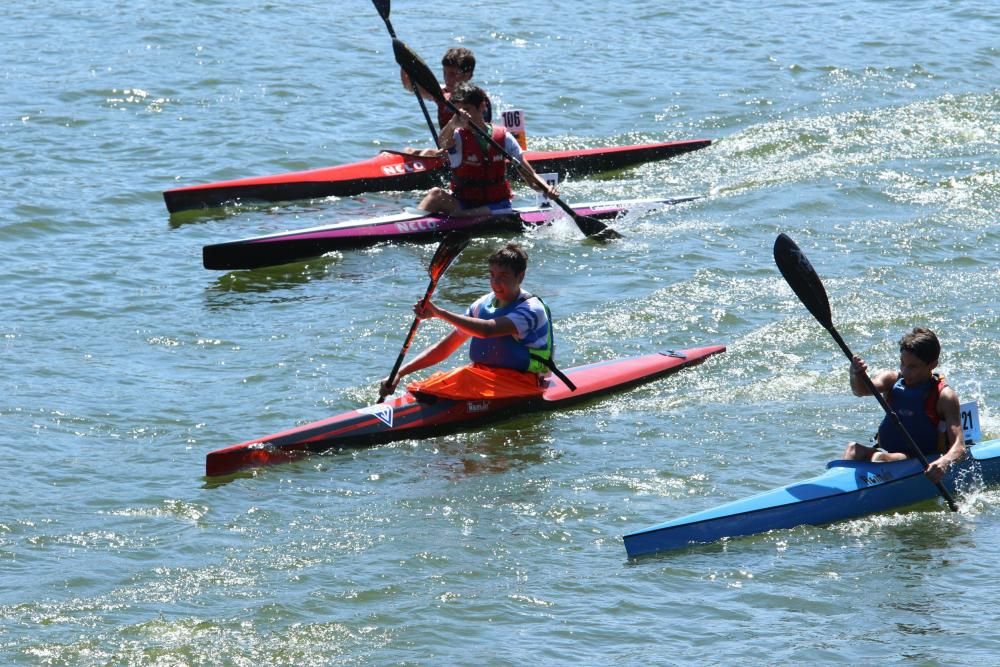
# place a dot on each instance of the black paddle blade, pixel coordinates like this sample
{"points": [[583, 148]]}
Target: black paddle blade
{"points": [[383, 8], [591, 227], [450, 248], [802, 278], [595, 229], [418, 70]]}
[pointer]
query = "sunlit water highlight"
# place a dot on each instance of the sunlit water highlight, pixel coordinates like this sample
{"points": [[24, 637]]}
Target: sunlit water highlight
{"points": [[857, 129]]}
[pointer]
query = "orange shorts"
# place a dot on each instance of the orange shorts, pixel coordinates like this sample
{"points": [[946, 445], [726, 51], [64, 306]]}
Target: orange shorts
{"points": [[477, 381]]}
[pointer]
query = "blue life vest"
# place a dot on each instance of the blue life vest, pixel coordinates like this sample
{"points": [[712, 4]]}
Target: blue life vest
{"points": [[917, 410], [507, 351]]}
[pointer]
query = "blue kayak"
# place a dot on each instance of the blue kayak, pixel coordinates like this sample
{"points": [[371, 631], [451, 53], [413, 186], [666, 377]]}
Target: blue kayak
{"points": [[847, 489]]}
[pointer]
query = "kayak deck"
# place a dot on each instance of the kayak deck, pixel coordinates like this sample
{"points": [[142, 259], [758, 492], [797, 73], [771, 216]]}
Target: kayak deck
{"points": [[395, 171], [848, 489], [408, 416], [296, 245]]}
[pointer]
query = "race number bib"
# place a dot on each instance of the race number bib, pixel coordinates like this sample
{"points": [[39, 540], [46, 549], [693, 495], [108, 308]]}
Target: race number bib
{"points": [[970, 422], [513, 120], [553, 181]]}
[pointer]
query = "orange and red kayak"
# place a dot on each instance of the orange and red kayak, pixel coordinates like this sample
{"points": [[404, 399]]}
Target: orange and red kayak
{"points": [[410, 416], [392, 170]]}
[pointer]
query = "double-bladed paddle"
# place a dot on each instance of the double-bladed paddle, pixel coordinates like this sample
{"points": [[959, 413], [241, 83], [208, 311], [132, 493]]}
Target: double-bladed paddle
{"points": [[449, 248], [383, 7], [804, 281], [421, 74]]}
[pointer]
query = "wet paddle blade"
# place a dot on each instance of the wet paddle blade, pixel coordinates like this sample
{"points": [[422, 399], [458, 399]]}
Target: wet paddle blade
{"points": [[451, 246], [592, 228], [418, 70], [383, 8], [595, 229], [802, 278]]}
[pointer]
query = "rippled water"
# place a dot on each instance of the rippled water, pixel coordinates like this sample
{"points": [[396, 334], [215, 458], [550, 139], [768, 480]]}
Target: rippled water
{"points": [[867, 131]]}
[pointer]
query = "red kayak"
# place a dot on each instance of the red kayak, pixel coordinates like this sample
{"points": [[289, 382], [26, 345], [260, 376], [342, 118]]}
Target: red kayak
{"points": [[391, 170], [411, 417]]}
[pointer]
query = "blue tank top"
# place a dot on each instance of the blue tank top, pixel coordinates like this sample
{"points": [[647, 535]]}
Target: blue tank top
{"points": [[910, 404]]}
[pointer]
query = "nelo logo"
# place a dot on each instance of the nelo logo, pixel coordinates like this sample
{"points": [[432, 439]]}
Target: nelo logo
{"points": [[418, 225], [405, 168]]}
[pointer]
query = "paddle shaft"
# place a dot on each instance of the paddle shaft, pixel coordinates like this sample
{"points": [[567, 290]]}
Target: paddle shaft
{"points": [[409, 339], [383, 10], [895, 418]]}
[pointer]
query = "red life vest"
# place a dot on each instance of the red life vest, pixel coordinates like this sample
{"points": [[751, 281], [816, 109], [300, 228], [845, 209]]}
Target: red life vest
{"points": [[481, 178]]}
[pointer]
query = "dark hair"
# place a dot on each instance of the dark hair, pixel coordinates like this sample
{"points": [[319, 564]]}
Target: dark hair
{"points": [[461, 58], [922, 343], [511, 256], [466, 93]]}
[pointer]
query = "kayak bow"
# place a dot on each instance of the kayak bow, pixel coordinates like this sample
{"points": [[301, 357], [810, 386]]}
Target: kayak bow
{"points": [[391, 170], [848, 489], [284, 247], [409, 417]]}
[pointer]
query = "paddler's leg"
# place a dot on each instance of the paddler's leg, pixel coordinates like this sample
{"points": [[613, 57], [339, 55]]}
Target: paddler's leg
{"points": [[439, 200], [857, 452], [883, 457]]}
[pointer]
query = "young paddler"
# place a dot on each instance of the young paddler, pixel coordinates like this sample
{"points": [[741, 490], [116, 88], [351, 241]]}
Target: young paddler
{"points": [[479, 183], [511, 345], [458, 65], [926, 405]]}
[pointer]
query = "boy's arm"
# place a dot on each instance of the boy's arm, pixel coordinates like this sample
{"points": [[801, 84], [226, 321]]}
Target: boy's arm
{"points": [[446, 140], [408, 85], [951, 413], [883, 380], [535, 181], [434, 354], [473, 326], [950, 410]]}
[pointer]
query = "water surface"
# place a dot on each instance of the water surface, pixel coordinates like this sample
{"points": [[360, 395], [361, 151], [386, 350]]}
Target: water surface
{"points": [[867, 131]]}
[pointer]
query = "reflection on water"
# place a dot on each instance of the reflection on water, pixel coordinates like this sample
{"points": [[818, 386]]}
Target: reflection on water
{"points": [[312, 212], [276, 277], [501, 449]]}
